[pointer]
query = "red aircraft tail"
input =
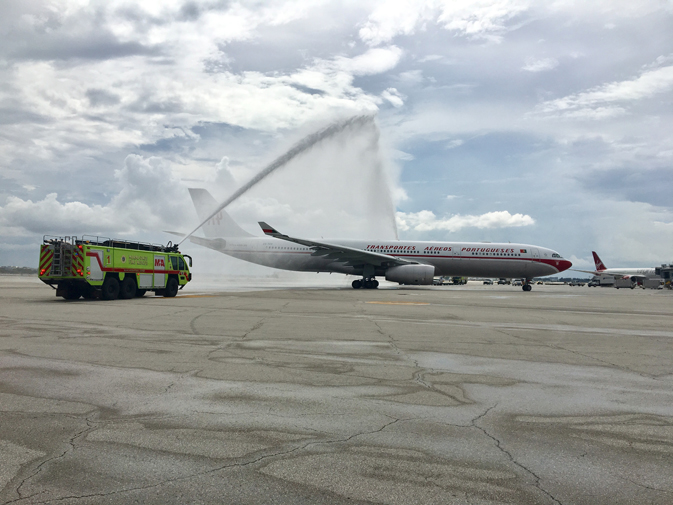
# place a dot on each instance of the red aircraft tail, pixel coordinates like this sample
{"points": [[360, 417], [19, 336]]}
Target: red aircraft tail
{"points": [[599, 264]]}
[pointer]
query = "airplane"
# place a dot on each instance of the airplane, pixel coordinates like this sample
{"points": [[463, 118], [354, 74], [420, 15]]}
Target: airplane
{"points": [[619, 273], [404, 262]]}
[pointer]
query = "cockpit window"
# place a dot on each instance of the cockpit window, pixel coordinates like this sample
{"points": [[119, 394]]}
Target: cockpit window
{"points": [[556, 255]]}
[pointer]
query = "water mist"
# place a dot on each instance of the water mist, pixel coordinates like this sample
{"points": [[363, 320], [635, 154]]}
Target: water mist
{"points": [[344, 146]]}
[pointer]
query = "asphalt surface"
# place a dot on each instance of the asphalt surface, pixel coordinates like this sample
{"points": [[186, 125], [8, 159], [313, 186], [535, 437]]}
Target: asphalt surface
{"points": [[468, 395]]}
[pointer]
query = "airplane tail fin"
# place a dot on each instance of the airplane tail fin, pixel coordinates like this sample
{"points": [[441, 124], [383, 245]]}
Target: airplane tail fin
{"points": [[221, 224], [599, 264]]}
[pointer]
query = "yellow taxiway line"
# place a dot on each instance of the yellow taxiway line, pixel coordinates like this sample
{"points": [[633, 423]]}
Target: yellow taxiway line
{"points": [[399, 303]]}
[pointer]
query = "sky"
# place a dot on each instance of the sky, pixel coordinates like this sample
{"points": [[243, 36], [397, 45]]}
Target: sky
{"points": [[539, 122]]}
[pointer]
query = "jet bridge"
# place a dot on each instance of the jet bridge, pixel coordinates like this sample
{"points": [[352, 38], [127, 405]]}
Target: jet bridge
{"points": [[666, 273]]}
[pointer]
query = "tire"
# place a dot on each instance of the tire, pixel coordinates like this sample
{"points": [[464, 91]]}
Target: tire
{"points": [[357, 284], [171, 287], [375, 284], [110, 289], [128, 287], [140, 293], [73, 292]]}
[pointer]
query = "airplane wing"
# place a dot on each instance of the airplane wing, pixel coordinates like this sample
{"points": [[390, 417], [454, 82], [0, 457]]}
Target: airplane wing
{"points": [[342, 254], [592, 272]]}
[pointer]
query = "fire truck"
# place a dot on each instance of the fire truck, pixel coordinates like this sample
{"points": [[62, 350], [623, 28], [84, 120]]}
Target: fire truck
{"points": [[98, 267]]}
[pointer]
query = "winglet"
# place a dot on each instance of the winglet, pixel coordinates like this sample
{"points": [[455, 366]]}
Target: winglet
{"points": [[268, 229]]}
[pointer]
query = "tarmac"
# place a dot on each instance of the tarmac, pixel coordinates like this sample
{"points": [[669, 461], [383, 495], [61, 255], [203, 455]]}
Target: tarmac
{"points": [[426, 395]]}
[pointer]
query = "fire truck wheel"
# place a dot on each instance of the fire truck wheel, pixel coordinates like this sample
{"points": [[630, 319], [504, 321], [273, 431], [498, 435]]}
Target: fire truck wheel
{"points": [[171, 287], [73, 292], [110, 289], [128, 288], [140, 292]]}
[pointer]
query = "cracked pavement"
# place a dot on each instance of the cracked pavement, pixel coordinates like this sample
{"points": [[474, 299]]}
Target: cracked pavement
{"points": [[472, 394]]}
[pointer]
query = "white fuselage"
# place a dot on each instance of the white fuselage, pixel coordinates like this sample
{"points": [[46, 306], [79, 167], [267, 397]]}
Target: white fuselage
{"points": [[475, 259], [646, 273]]}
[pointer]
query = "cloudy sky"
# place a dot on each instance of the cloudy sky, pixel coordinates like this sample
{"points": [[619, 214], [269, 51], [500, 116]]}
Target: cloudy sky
{"points": [[543, 122]]}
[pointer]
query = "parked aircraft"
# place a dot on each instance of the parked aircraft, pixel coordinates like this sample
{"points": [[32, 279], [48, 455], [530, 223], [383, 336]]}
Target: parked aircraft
{"points": [[618, 273], [404, 262]]}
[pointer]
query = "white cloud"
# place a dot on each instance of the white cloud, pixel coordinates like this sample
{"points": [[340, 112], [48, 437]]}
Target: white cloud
{"points": [[390, 19], [411, 77], [480, 18], [53, 217], [540, 65], [393, 96], [150, 198], [431, 57], [475, 18], [223, 176], [599, 102], [426, 220], [374, 61]]}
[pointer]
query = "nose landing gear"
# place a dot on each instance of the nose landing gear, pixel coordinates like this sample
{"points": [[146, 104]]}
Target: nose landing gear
{"points": [[527, 286], [367, 283]]}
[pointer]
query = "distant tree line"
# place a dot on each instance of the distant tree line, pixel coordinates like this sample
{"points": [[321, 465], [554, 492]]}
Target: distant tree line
{"points": [[18, 270]]}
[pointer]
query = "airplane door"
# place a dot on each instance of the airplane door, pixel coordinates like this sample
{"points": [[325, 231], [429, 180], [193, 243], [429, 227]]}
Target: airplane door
{"points": [[535, 253]]}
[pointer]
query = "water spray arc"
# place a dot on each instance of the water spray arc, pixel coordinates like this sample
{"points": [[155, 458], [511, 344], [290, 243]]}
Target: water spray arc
{"points": [[296, 150]]}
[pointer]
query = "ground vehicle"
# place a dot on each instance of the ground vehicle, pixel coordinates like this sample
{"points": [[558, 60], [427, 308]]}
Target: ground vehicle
{"points": [[503, 281], [576, 282], [516, 282], [96, 267], [489, 282], [627, 282], [593, 283]]}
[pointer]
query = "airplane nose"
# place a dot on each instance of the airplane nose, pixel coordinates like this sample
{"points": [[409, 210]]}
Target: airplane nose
{"points": [[564, 265]]}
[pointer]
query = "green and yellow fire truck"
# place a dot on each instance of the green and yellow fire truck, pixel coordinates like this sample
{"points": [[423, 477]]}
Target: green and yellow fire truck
{"points": [[96, 267]]}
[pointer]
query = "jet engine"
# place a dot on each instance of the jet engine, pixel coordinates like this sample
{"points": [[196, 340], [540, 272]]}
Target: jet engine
{"points": [[411, 274]]}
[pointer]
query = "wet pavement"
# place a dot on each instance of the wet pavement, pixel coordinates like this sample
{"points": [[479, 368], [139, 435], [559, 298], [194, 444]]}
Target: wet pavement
{"points": [[472, 394]]}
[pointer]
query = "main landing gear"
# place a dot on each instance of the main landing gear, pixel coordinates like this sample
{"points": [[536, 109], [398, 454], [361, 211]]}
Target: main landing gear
{"points": [[527, 286], [365, 283]]}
